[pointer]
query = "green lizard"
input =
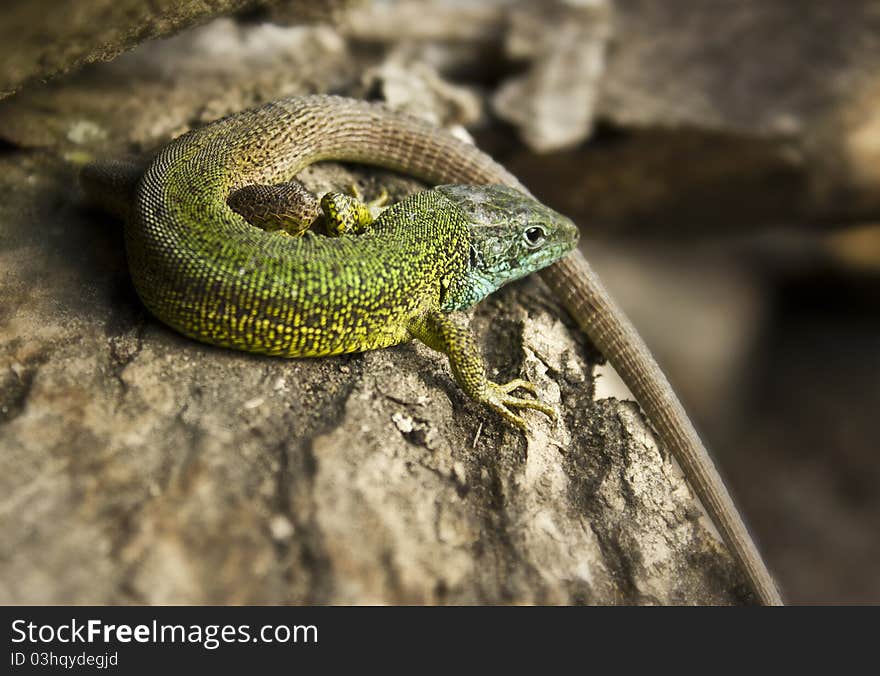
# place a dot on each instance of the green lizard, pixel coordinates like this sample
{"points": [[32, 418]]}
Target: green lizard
{"points": [[201, 267], [204, 269]]}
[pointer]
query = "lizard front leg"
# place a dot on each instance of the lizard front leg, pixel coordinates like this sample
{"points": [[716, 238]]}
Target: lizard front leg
{"points": [[446, 333]]}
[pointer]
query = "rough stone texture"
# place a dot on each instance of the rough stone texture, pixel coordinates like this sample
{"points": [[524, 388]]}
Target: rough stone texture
{"points": [[144, 98], [39, 40], [139, 466]]}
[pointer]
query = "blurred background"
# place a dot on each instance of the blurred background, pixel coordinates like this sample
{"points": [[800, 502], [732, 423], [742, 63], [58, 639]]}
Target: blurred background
{"points": [[721, 158]]}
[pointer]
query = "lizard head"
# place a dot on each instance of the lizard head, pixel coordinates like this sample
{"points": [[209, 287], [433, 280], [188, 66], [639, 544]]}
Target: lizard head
{"points": [[511, 236]]}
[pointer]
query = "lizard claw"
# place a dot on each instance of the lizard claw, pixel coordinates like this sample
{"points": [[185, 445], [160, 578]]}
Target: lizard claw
{"points": [[499, 399]]}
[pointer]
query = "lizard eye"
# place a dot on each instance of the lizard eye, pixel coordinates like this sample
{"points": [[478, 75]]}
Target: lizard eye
{"points": [[534, 236]]}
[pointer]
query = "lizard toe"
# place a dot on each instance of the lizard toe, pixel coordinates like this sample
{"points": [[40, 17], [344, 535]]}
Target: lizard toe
{"points": [[518, 384], [502, 401]]}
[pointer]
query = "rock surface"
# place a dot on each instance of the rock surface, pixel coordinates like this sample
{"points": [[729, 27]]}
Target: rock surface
{"points": [[139, 466], [39, 42]]}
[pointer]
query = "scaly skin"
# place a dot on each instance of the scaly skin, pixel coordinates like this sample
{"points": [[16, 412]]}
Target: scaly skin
{"points": [[203, 269]]}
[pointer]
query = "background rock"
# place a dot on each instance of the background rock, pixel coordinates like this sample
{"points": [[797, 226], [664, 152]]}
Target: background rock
{"points": [[39, 40]]}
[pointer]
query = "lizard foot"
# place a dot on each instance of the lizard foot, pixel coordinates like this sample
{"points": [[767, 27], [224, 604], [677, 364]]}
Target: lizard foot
{"points": [[499, 399], [449, 334]]}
